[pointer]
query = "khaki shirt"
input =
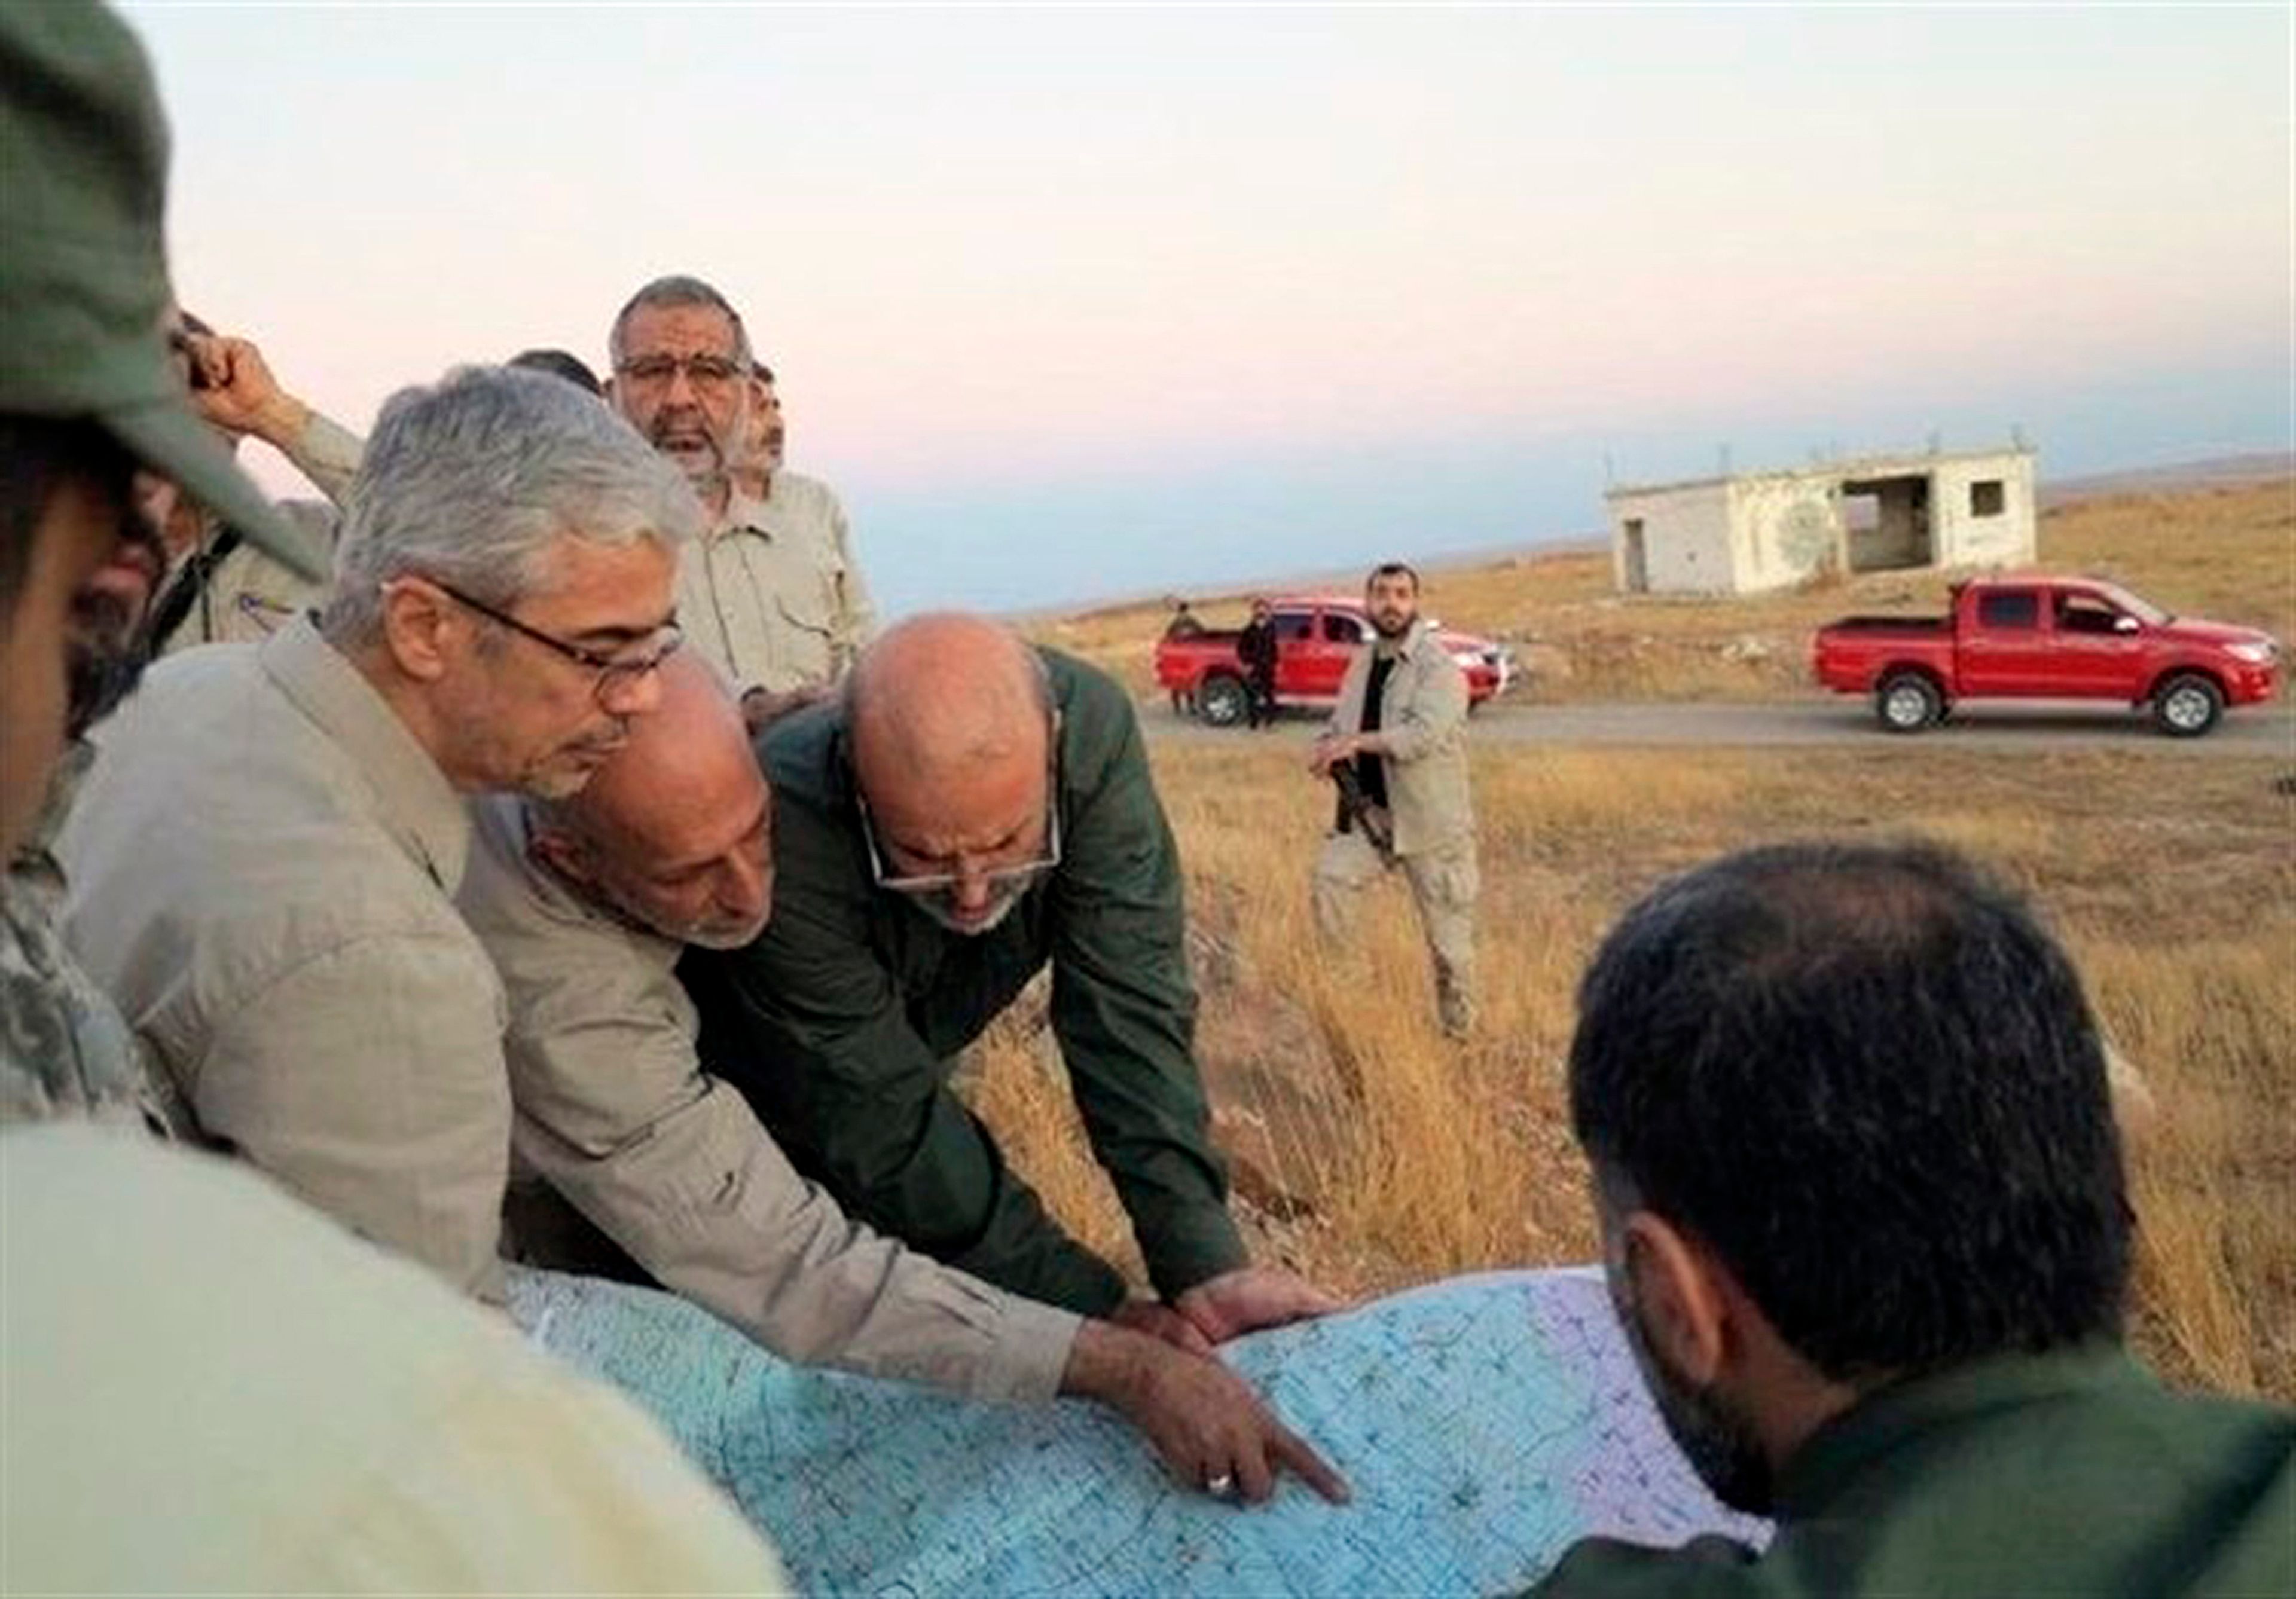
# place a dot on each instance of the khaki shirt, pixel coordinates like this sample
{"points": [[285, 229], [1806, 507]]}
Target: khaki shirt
{"points": [[262, 867], [1422, 721], [248, 596], [212, 1389], [613, 1109], [773, 594]]}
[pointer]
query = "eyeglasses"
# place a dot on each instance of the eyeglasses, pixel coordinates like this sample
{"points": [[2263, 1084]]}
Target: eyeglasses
{"points": [[615, 672], [713, 373], [1004, 879]]}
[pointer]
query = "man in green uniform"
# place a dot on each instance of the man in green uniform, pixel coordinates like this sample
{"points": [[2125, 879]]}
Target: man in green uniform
{"points": [[1864, 1220], [970, 812], [87, 395]]}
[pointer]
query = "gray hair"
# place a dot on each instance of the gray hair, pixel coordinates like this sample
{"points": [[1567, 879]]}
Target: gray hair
{"points": [[671, 292], [471, 482]]}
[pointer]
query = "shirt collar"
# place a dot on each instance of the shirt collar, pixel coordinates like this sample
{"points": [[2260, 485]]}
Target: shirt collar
{"points": [[1860, 1437], [743, 515], [418, 806]]}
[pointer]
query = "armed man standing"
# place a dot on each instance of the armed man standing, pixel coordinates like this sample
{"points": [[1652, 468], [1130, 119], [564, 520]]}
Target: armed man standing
{"points": [[1397, 744]]}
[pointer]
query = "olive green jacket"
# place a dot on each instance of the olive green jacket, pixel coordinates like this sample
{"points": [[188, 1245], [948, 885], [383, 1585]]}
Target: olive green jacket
{"points": [[842, 1022], [2071, 1473]]}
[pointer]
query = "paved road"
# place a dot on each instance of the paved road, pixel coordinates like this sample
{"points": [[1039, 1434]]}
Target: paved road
{"points": [[2268, 734]]}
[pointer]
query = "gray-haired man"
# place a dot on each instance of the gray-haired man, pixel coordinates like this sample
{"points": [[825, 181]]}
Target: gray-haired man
{"points": [[263, 859], [771, 592]]}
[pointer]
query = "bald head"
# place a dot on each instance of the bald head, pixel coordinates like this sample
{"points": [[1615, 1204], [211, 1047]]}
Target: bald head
{"points": [[950, 718], [672, 831]]}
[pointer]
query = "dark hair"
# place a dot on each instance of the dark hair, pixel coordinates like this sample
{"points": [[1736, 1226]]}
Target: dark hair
{"points": [[668, 294], [1393, 569], [37, 454], [1866, 1077], [560, 364]]}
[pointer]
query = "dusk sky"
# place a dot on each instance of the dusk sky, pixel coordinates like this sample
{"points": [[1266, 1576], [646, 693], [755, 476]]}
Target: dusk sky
{"points": [[1069, 303]]}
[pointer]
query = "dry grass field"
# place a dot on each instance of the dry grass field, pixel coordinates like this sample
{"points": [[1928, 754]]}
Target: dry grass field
{"points": [[1380, 1157], [2226, 553]]}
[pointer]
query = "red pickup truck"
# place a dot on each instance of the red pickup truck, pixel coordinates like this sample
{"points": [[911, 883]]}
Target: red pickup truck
{"points": [[2047, 638], [1315, 639]]}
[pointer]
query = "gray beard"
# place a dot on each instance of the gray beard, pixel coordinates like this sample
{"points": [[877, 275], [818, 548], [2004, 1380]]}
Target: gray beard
{"points": [[940, 913]]}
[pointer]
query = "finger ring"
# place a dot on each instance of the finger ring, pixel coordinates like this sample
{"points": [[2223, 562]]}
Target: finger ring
{"points": [[1219, 1484]]}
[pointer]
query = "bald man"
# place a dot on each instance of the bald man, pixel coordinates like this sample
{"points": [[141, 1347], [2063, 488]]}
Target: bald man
{"points": [[584, 905], [969, 812]]}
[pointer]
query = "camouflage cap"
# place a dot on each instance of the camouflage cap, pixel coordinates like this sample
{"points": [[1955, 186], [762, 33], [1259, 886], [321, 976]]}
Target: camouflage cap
{"points": [[84, 294]]}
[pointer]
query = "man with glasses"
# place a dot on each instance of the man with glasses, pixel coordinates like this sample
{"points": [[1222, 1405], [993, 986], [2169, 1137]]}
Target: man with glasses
{"points": [[585, 905], [969, 813], [771, 592], [263, 859]]}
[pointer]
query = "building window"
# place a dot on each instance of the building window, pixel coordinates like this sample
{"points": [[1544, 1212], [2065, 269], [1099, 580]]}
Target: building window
{"points": [[1986, 497]]}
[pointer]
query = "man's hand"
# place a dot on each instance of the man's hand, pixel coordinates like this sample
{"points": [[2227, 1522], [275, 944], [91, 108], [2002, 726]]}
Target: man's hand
{"points": [[1252, 1297], [1159, 1320], [1330, 749], [761, 706], [1212, 1431], [233, 387]]}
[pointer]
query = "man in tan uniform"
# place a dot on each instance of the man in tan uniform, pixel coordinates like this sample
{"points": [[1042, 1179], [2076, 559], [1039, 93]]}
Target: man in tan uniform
{"points": [[1401, 726], [263, 859], [771, 592], [585, 906], [221, 589]]}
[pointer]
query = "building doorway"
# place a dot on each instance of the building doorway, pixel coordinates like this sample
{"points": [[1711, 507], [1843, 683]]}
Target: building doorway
{"points": [[1637, 558], [1888, 523]]}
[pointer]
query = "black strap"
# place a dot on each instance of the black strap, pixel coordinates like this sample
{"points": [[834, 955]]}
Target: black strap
{"points": [[176, 605]]}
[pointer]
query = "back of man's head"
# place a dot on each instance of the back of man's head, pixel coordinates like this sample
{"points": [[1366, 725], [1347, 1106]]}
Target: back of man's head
{"points": [[1867, 1078], [560, 364]]}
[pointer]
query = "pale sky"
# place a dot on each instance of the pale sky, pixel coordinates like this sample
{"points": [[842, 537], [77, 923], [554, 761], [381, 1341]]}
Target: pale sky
{"points": [[1070, 302]]}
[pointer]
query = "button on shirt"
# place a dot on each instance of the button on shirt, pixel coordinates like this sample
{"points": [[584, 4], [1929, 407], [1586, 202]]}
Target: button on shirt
{"points": [[773, 595], [262, 867], [613, 1109]]}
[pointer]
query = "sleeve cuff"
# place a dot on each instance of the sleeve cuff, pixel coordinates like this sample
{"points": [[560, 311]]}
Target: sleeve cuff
{"points": [[1209, 1246], [1031, 1352]]}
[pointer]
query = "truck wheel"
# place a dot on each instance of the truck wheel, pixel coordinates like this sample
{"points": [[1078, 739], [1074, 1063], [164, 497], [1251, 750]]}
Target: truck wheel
{"points": [[1223, 701], [1908, 703], [2187, 705]]}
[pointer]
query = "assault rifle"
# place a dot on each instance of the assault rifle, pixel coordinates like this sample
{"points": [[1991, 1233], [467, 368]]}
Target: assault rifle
{"points": [[1356, 810]]}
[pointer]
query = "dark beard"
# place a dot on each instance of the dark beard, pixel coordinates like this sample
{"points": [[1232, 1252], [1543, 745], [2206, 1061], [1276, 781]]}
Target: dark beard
{"points": [[1386, 632], [103, 661], [1719, 1444]]}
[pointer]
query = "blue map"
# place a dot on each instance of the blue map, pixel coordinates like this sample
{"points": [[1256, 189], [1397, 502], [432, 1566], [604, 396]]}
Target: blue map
{"points": [[1484, 1423]]}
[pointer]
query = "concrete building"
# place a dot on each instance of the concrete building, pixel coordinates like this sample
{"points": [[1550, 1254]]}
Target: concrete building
{"points": [[1753, 531]]}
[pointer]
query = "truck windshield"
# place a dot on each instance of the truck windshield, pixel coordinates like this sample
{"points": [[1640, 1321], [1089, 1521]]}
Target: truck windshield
{"points": [[2144, 610]]}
